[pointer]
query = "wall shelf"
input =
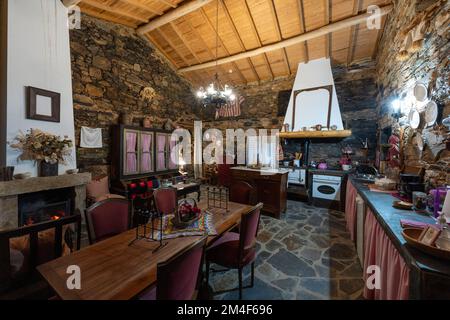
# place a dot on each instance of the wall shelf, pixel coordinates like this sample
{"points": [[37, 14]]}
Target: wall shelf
{"points": [[316, 134]]}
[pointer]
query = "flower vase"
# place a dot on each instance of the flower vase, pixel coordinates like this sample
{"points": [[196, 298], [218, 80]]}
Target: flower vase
{"points": [[47, 169]]}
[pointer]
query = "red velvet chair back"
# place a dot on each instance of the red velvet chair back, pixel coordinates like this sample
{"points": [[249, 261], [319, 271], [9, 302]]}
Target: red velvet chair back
{"points": [[107, 218], [166, 200], [178, 278], [242, 192], [249, 230], [224, 172]]}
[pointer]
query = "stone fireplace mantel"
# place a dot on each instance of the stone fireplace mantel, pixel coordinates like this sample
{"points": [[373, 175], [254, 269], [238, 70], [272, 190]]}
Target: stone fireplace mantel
{"points": [[10, 190]]}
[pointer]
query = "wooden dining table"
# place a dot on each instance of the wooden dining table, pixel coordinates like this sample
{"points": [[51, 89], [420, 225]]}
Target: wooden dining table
{"points": [[115, 270]]}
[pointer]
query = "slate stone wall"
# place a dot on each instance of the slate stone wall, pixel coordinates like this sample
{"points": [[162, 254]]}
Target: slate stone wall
{"points": [[395, 78], [110, 66], [356, 91]]}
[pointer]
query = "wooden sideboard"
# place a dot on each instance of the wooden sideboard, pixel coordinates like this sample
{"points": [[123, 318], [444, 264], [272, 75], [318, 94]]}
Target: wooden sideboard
{"points": [[270, 186]]}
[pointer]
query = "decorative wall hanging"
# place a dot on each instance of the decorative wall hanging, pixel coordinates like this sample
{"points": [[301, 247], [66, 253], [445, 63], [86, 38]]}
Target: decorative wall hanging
{"points": [[43, 105], [431, 113], [230, 109], [420, 92], [147, 122], [147, 93], [91, 138]]}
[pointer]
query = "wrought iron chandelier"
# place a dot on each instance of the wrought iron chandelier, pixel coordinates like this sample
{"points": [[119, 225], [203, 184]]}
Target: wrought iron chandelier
{"points": [[216, 94]]}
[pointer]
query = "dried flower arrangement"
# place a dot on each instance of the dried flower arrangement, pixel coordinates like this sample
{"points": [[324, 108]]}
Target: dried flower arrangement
{"points": [[37, 145]]}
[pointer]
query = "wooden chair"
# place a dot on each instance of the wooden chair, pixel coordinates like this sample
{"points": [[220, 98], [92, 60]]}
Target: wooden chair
{"points": [[107, 218], [25, 282], [165, 200], [179, 277], [242, 192], [237, 250]]}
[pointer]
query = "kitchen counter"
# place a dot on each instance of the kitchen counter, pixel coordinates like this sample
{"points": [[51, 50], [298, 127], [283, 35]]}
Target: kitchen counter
{"points": [[331, 172], [263, 170], [429, 277], [270, 186]]}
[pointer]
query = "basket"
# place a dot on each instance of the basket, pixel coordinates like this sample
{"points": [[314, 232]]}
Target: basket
{"points": [[412, 235], [183, 219]]}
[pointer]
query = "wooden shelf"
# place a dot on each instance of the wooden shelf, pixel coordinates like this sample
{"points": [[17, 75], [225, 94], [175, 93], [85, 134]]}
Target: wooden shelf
{"points": [[316, 134]]}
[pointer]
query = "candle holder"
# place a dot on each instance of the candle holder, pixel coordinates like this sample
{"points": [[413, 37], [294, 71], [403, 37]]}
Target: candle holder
{"points": [[218, 197], [145, 227]]}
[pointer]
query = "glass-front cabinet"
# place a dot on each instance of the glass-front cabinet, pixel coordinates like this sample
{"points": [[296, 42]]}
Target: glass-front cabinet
{"points": [[138, 152]]}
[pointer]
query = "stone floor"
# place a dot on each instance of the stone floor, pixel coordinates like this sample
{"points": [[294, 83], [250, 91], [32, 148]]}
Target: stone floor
{"points": [[305, 255]]}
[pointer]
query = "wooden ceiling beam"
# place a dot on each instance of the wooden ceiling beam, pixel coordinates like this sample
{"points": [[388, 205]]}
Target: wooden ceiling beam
{"points": [[173, 46], [142, 6], [353, 33], [166, 2], [273, 11], [335, 26], [211, 26], [70, 3], [172, 15], [328, 15], [303, 25], [109, 16], [199, 36], [258, 38], [111, 9], [185, 43]]}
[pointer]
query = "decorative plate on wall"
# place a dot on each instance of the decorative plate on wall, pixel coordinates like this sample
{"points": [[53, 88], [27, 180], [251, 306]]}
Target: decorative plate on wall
{"points": [[431, 113], [414, 119], [421, 92]]}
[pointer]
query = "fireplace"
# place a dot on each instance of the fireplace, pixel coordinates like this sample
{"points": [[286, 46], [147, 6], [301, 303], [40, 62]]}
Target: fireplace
{"points": [[45, 205]]}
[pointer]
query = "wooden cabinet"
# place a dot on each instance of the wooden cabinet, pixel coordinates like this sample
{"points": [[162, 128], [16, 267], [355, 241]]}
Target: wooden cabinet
{"points": [[271, 189], [138, 152]]}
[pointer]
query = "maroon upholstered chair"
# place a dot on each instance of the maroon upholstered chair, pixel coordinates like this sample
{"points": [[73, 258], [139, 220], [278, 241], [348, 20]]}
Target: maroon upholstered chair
{"points": [[224, 172], [242, 192], [107, 218], [237, 250], [166, 200], [179, 277]]}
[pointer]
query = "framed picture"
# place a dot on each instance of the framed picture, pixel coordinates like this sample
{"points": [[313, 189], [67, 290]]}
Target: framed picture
{"points": [[429, 236], [43, 105]]}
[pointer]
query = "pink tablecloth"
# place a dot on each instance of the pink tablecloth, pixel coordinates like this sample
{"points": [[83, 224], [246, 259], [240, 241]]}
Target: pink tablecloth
{"points": [[350, 209], [380, 251]]}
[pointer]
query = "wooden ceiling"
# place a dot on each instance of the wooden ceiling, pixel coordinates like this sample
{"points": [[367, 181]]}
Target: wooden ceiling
{"points": [[245, 25]]}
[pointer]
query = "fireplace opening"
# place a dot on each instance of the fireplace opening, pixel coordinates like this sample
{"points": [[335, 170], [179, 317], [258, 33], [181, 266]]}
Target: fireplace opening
{"points": [[45, 206]]}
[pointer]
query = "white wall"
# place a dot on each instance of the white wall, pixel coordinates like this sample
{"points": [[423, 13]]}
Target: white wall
{"points": [[38, 56], [315, 73]]}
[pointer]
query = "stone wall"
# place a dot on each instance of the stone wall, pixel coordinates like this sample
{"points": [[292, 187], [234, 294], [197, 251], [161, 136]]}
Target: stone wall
{"points": [[395, 78], [356, 91], [111, 65]]}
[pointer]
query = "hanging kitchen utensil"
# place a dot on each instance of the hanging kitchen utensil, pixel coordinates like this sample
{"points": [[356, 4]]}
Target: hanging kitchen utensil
{"points": [[414, 119], [420, 92], [431, 113]]}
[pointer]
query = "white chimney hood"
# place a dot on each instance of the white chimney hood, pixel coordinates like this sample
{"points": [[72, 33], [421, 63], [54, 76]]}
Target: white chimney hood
{"points": [[312, 106]]}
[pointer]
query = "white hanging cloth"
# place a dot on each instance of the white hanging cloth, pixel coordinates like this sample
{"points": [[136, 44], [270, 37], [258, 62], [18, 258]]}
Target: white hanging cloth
{"points": [[91, 138]]}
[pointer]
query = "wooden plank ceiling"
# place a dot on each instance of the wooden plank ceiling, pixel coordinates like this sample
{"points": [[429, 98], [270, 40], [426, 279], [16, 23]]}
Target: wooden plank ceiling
{"points": [[246, 25]]}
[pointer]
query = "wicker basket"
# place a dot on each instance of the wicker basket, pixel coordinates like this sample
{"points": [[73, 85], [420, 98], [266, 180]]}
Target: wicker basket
{"points": [[412, 235]]}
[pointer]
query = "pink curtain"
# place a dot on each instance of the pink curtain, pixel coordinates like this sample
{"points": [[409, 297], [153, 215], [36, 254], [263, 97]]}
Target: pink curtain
{"points": [[172, 165], [161, 155], [350, 209], [146, 159], [381, 252], [131, 139]]}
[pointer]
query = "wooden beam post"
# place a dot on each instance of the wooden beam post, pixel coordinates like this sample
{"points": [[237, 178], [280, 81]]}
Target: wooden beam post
{"points": [[173, 15], [339, 25]]}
